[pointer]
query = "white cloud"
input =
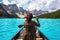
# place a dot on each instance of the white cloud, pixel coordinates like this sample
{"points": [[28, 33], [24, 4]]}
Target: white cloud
{"points": [[6, 2], [54, 5], [44, 5], [35, 4], [21, 2]]}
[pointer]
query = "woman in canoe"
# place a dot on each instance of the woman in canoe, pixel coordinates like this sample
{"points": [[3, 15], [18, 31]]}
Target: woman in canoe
{"points": [[29, 31], [29, 27]]}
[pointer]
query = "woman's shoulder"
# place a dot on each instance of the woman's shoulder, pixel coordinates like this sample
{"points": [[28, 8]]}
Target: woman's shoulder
{"points": [[25, 21]]}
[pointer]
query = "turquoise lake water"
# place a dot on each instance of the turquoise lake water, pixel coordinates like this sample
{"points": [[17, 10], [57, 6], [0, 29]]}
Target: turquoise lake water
{"points": [[49, 27]]}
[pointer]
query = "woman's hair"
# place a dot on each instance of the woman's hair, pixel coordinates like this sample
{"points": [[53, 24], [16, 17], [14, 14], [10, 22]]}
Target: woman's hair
{"points": [[30, 14]]}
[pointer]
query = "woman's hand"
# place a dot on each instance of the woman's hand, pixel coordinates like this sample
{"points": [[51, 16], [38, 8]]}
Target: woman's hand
{"points": [[37, 18], [38, 21]]}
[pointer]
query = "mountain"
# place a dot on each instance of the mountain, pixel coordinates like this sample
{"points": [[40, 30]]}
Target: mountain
{"points": [[13, 8], [4, 12], [21, 10], [35, 12], [55, 14]]}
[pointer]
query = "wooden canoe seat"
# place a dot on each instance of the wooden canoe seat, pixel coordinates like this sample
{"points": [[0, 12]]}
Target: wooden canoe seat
{"points": [[36, 39], [39, 38]]}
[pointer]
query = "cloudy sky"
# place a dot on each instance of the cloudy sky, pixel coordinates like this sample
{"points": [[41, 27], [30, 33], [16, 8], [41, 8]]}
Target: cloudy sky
{"points": [[49, 5]]}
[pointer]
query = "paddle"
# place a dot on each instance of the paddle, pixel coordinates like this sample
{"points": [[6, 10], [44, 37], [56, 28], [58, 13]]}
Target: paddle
{"points": [[20, 26], [38, 21]]}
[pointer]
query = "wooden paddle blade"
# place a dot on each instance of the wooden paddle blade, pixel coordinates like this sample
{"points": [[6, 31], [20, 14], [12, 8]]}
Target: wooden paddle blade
{"points": [[20, 26]]}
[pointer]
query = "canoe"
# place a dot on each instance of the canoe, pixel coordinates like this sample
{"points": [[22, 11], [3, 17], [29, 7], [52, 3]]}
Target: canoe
{"points": [[39, 34]]}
